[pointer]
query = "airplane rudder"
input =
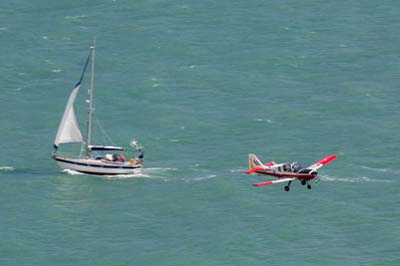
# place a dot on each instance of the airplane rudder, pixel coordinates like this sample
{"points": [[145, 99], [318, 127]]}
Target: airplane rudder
{"points": [[254, 161]]}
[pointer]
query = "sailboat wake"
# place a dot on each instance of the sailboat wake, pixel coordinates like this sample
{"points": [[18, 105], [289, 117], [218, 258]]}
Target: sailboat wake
{"points": [[360, 179], [150, 173]]}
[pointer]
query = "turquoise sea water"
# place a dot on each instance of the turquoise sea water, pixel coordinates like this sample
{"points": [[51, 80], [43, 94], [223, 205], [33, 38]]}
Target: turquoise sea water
{"points": [[201, 84]]}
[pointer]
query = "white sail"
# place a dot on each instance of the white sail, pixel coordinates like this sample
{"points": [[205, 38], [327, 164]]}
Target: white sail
{"points": [[69, 131]]}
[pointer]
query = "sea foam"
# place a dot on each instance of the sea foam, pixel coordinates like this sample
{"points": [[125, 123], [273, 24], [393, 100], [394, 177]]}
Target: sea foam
{"points": [[6, 168]]}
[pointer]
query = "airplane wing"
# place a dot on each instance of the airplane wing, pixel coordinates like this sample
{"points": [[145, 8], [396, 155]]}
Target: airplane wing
{"points": [[267, 183], [322, 162]]}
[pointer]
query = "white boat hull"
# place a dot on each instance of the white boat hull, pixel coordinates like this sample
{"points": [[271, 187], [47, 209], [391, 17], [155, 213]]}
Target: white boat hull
{"points": [[97, 167]]}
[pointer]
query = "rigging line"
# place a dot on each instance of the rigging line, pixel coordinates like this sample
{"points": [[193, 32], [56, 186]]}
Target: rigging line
{"points": [[103, 131], [82, 149]]}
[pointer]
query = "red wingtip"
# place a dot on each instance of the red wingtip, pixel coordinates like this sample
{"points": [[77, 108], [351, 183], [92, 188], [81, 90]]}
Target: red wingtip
{"points": [[328, 159]]}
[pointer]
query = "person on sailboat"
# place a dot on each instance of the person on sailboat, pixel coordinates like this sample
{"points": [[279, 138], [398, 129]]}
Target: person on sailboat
{"points": [[141, 156]]}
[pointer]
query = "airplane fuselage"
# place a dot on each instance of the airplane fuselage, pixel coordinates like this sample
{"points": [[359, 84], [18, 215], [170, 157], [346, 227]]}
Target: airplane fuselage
{"points": [[290, 169], [305, 176]]}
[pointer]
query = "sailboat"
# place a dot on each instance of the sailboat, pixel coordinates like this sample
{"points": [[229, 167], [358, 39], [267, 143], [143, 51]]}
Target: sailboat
{"points": [[113, 162]]}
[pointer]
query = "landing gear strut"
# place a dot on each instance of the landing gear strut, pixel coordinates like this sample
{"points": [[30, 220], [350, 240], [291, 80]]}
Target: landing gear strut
{"points": [[287, 187], [304, 182]]}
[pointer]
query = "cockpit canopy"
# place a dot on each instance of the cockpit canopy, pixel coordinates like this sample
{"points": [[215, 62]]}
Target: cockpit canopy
{"points": [[293, 167], [296, 166]]}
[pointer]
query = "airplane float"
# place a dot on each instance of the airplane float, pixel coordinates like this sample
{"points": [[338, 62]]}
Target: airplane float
{"points": [[286, 172]]}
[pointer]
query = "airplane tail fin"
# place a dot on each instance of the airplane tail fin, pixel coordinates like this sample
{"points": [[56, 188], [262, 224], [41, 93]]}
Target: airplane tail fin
{"points": [[254, 162], [256, 165]]}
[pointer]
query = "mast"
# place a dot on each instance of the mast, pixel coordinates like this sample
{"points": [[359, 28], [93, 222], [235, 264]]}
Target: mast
{"points": [[90, 103]]}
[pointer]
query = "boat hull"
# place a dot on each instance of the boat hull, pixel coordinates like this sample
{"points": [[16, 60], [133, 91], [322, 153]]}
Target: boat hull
{"points": [[97, 167]]}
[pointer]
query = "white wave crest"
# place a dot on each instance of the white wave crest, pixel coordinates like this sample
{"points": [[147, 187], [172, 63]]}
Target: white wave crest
{"points": [[269, 121], [201, 178], [7, 168], [353, 179], [238, 170], [78, 17], [72, 172]]}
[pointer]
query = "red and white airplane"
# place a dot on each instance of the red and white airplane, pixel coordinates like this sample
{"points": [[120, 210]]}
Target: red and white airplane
{"points": [[286, 172]]}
